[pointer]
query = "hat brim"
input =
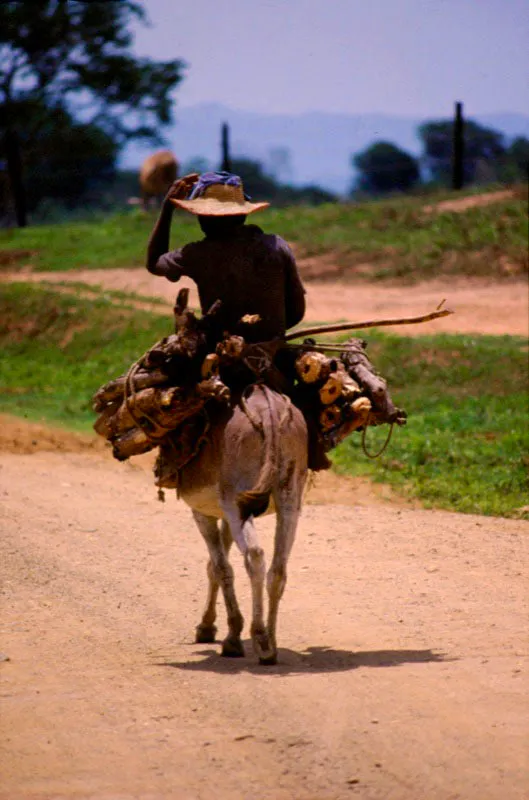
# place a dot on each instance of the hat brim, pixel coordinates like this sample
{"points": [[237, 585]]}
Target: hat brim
{"points": [[211, 207]]}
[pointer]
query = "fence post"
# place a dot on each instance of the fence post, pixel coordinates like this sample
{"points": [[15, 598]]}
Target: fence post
{"points": [[14, 171], [226, 160], [458, 148]]}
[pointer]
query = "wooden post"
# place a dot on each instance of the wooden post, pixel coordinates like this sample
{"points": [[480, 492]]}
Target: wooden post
{"points": [[226, 160], [458, 149], [14, 171]]}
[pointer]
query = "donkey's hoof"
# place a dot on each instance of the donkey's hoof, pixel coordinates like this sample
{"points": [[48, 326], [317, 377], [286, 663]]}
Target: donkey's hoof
{"points": [[232, 648], [205, 634], [268, 661], [264, 648]]}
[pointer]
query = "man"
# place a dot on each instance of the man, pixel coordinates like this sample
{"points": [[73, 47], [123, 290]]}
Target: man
{"points": [[250, 272]]}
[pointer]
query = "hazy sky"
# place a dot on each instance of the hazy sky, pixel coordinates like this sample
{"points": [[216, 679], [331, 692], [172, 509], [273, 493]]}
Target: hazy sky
{"points": [[406, 57]]}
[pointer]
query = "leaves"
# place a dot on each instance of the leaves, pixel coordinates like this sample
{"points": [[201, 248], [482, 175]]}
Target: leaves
{"points": [[55, 53], [384, 167]]}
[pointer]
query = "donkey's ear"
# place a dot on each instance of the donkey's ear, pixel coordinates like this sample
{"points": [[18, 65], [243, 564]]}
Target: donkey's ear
{"points": [[182, 300], [180, 313]]}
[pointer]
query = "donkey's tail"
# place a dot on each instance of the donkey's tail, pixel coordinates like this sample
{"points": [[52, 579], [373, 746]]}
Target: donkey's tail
{"points": [[255, 501]]}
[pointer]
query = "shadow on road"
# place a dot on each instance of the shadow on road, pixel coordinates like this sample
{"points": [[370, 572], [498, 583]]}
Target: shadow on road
{"points": [[313, 659]]}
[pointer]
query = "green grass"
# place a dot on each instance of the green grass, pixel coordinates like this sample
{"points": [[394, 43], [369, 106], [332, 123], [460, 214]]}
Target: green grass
{"points": [[395, 237], [466, 444], [127, 299], [400, 241], [58, 349], [465, 448], [118, 240]]}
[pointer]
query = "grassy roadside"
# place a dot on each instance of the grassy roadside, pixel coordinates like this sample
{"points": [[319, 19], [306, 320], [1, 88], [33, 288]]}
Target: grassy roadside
{"points": [[57, 349], [397, 238], [465, 447], [466, 444]]}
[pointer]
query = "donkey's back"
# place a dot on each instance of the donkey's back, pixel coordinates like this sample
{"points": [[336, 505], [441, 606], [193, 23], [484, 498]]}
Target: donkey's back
{"points": [[249, 457]]}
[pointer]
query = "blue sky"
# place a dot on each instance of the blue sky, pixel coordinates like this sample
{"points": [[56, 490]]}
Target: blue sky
{"points": [[405, 57]]}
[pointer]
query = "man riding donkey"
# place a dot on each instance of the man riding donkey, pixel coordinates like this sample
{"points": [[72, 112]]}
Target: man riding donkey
{"points": [[250, 295], [253, 274]]}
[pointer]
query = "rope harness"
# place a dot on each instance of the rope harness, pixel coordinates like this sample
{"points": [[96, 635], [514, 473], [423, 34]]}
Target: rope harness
{"points": [[129, 394], [384, 446]]}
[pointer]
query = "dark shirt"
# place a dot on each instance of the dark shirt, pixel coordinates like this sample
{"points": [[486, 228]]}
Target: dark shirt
{"points": [[251, 272]]}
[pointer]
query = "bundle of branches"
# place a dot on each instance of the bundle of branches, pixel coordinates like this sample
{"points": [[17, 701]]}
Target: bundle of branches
{"points": [[158, 401], [138, 421], [344, 394], [165, 388]]}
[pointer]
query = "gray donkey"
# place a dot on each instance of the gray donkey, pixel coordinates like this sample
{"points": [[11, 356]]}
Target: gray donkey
{"points": [[254, 461]]}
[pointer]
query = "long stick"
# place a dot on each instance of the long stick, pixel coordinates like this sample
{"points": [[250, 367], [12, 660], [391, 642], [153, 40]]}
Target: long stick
{"points": [[352, 326], [323, 347]]}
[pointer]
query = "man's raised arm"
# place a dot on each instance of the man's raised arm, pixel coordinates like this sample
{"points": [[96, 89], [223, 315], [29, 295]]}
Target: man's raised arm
{"points": [[159, 239]]}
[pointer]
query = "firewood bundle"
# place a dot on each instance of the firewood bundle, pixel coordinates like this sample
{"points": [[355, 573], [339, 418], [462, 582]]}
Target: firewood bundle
{"points": [[138, 421], [168, 386], [159, 401], [344, 393]]}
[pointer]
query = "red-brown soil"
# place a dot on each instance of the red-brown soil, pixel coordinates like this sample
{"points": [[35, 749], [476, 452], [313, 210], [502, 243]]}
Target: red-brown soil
{"points": [[403, 649]]}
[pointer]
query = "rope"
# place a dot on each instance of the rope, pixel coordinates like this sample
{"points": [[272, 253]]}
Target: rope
{"points": [[200, 441], [256, 423], [198, 444], [258, 360], [129, 394], [388, 439], [287, 413]]}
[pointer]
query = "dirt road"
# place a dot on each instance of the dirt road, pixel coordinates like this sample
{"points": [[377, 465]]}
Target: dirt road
{"points": [[480, 306], [403, 648]]}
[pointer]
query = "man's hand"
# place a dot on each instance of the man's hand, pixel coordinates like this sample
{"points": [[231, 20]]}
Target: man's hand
{"points": [[181, 187]]}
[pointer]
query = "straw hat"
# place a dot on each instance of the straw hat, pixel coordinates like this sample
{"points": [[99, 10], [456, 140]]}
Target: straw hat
{"points": [[226, 197]]}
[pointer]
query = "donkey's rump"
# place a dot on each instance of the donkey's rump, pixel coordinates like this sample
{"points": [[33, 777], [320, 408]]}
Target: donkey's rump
{"points": [[248, 457]]}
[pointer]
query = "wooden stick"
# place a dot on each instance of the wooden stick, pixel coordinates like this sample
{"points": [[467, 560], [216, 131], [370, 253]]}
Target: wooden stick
{"points": [[352, 326], [318, 346]]}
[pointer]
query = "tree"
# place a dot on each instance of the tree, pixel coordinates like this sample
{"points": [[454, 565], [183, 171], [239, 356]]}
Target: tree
{"points": [[259, 185], [481, 145], [196, 164], [73, 58], [255, 180], [279, 163], [384, 168], [517, 157], [67, 160]]}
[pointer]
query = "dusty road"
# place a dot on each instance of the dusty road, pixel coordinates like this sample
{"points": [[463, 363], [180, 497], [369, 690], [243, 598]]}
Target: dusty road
{"points": [[480, 306], [403, 647]]}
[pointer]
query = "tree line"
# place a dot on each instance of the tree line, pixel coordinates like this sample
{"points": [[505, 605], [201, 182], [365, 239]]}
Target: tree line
{"points": [[383, 167], [72, 95]]}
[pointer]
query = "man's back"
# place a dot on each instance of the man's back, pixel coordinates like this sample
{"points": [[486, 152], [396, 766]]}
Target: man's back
{"points": [[250, 272]]}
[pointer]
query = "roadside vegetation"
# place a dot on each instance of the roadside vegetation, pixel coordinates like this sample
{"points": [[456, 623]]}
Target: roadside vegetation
{"points": [[397, 238], [465, 446]]}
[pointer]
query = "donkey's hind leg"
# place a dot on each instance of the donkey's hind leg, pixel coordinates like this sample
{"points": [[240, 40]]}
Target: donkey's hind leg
{"points": [[288, 507], [220, 574], [206, 630], [244, 535]]}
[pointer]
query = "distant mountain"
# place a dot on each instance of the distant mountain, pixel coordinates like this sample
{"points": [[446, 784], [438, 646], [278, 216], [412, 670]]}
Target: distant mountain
{"points": [[311, 148]]}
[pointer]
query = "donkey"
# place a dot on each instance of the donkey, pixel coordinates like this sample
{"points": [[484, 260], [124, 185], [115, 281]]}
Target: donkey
{"points": [[255, 457]]}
